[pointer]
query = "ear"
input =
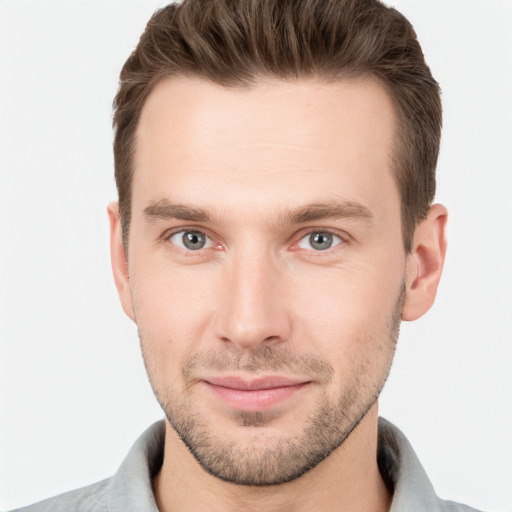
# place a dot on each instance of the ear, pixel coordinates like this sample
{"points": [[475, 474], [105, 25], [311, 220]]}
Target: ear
{"points": [[119, 260], [425, 263]]}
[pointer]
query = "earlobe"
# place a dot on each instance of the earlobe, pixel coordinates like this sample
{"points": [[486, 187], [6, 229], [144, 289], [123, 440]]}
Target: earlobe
{"points": [[425, 263], [119, 260]]}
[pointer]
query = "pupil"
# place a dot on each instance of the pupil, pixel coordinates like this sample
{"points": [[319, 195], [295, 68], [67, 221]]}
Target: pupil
{"points": [[321, 241]]}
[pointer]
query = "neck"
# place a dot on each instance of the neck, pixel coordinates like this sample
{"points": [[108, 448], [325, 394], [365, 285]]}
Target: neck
{"points": [[347, 480]]}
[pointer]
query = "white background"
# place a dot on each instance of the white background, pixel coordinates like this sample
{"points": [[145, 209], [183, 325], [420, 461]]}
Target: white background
{"points": [[73, 392]]}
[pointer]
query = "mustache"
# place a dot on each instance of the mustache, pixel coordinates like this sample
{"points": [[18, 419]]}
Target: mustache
{"points": [[265, 360]]}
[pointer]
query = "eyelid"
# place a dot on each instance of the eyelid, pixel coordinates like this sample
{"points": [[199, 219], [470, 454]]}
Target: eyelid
{"points": [[180, 229]]}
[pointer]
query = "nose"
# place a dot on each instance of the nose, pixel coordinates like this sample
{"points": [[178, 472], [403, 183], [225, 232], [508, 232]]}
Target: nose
{"points": [[253, 311]]}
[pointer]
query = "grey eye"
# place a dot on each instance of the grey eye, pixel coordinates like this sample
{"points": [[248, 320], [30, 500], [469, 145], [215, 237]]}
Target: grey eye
{"points": [[190, 240], [319, 241]]}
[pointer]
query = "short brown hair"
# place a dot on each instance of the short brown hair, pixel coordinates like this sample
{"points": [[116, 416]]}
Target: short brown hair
{"points": [[236, 42]]}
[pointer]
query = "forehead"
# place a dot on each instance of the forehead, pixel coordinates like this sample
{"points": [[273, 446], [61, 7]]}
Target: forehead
{"points": [[278, 140]]}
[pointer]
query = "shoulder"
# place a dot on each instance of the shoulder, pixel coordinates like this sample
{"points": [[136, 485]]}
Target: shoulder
{"points": [[129, 489], [93, 498], [404, 475], [451, 506]]}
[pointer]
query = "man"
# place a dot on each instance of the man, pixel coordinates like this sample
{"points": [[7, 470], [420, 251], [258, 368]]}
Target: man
{"points": [[275, 166]]}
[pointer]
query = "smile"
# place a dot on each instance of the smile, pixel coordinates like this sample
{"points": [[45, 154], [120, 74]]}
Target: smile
{"points": [[254, 395]]}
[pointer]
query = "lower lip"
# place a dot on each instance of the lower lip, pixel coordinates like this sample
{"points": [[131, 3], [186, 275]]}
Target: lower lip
{"points": [[257, 399]]}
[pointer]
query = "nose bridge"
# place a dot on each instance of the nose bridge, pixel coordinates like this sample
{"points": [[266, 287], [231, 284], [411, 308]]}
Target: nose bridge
{"points": [[252, 311]]}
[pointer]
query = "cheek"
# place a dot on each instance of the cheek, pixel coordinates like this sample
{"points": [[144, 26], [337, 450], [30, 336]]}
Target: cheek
{"points": [[348, 314], [172, 307]]}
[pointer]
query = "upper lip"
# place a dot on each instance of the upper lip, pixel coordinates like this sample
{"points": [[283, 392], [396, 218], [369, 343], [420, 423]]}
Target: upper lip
{"points": [[265, 382]]}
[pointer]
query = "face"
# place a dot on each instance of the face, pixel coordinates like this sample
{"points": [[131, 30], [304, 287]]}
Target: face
{"points": [[266, 267]]}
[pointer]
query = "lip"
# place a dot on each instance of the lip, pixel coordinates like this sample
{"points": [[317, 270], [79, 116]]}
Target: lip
{"points": [[260, 394]]}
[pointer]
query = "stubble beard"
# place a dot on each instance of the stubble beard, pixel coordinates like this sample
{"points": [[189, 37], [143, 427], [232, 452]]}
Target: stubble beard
{"points": [[263, 459]]}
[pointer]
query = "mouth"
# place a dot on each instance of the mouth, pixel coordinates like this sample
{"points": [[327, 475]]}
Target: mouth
{"points": [[254, 395]]}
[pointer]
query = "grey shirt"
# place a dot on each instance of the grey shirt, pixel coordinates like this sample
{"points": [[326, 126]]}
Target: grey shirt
{"points": [[130, 488]]}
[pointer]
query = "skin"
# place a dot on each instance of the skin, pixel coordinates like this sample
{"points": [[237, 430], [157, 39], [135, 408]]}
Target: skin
{"points": [[257, 172]]}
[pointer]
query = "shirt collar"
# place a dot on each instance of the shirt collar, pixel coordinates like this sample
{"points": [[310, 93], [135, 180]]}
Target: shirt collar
{"points": [[403, 473]]}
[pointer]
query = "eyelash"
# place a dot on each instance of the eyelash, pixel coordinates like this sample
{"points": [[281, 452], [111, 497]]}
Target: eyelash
{"points": [[342, 237]]}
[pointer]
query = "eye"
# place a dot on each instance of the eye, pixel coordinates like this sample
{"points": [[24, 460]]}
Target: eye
{"points": [[190, 240], [319, 241]]}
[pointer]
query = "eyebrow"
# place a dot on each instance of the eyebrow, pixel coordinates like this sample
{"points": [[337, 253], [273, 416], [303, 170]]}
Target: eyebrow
{"points": [[335, 210], [166, 210]]}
